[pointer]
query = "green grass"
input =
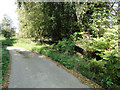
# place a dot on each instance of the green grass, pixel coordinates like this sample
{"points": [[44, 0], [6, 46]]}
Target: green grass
{"points": [[26, 43]]}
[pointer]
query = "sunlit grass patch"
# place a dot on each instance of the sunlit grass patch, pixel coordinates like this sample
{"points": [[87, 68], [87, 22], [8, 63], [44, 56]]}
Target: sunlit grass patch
{"points": [[27, 43]]}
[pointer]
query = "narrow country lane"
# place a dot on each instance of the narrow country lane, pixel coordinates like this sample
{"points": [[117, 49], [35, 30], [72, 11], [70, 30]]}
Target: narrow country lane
{"points": [[31, 70]]}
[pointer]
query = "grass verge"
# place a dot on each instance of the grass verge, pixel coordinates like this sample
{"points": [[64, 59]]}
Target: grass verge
{"points": [[5, 64]]}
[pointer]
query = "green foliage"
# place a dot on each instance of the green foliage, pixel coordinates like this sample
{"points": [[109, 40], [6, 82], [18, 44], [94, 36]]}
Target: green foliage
{"points": [[62, 58], [103, 72], [5, 61], [61, 17], [5, 56], [66, 45], [8, 42], [105, 45], [112, 71], [92, 16], [40, 20], [6, 28], [96, 35]]}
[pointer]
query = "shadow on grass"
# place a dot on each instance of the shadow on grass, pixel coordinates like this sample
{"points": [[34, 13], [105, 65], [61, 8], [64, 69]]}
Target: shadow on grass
{"points": [[77, 49], [49, 42]]}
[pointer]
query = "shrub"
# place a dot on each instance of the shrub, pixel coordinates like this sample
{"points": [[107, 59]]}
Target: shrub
{"points": [[112, 71], [66, 45], [5, 61]]}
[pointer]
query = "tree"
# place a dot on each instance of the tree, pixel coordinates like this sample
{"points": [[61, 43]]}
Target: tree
{"points": [[6, 27], [51, 20]]}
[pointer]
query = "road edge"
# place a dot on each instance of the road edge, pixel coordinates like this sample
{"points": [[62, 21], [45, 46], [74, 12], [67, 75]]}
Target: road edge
{"points": [[78, 75]]}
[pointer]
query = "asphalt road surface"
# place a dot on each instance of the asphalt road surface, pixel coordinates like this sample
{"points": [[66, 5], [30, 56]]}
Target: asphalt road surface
{"points": [[31, 70]]}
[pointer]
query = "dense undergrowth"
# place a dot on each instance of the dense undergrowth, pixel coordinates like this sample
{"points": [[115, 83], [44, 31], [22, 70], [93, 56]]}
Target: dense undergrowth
{"points": [[105, 73], [5, 57], [5, 61]]}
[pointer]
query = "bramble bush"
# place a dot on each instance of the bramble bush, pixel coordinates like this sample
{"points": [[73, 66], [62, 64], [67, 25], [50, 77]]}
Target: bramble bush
{"points": [[106, 45], [66, 45]]}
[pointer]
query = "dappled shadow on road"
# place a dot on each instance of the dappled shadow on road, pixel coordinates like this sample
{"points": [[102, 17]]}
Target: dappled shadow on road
{"points": [[20, 51]]}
